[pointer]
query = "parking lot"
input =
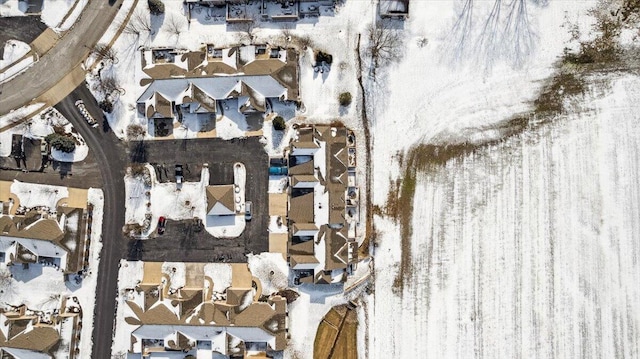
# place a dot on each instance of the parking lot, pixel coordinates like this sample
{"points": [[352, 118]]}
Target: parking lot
{"points": [[185, 240]]}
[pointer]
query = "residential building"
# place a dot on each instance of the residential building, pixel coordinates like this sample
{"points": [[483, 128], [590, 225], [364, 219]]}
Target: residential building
{"points": [[220, 200], [202, 319], [60, 239], [26, 333], [323, 204], [207, 84], [237, 11]]}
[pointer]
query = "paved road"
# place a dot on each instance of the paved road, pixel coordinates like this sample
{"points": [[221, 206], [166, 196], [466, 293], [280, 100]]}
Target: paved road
{"points": [[111, 156], [70, 51]]}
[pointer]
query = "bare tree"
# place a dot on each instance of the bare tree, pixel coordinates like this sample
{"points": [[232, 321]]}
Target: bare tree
{"points": [[248, 27], [175, 25], [385, 45], [139, 23], [106, 53]]}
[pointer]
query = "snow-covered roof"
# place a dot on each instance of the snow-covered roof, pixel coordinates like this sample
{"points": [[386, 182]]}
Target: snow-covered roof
{"points": [[25, 353], [218, 87]]}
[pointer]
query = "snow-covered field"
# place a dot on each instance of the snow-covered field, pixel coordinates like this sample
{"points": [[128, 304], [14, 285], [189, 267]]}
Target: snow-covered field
{"points": [[527, 248]]}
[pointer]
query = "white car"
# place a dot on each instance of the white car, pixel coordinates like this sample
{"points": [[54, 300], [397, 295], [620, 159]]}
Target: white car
{"points": [[247, 211]]}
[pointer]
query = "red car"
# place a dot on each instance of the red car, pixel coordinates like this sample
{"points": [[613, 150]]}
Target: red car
{"points": [[161, 222]]}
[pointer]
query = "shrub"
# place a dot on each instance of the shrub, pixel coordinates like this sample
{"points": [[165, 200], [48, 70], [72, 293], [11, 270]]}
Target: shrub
{"points": [[156, 7], [278, 123], [345, 99], [106, 106], [323, 56], [61, 142], [135, 132]]}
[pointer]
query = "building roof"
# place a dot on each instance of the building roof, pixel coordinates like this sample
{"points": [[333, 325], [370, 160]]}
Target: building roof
{"points": [[36, 234], [303, 180], [305, 168], [239, 72], [328, 174], [301, 208], [238, 316], [220, 199]]}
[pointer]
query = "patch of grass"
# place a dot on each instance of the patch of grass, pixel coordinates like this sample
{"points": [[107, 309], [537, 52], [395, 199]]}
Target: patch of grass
{"points": [[336, 337]]}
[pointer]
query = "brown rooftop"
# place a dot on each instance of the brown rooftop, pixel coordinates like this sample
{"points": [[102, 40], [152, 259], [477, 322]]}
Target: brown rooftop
{"points": [[222, 194], [301, 208]]}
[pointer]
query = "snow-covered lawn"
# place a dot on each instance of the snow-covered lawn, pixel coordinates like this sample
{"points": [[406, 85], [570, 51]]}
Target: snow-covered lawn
{"points": [[170, 200], [38, 127], [32, 195]]}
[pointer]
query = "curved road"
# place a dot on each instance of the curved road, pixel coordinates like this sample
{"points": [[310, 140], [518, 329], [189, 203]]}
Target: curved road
{"points": [[111, 155], [68, 53]]}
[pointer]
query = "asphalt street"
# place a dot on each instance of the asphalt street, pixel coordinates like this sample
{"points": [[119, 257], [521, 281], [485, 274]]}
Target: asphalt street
{"points": [[111, 155], [69, 52]]}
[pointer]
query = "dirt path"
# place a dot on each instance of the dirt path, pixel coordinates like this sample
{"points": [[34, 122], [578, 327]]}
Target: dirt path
{"points": [[363, 251]]}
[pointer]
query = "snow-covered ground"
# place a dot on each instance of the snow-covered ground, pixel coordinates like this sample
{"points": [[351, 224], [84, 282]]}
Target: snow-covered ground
{"points": [[40, 286], [13, 51], [38, 127], [533, 246], [527, 248], [170, 200]]}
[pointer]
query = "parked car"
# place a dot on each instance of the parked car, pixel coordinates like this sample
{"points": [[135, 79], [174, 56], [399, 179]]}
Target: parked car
{"points": [[161, 225], [87, 116], [179, 176], [247, 211]]}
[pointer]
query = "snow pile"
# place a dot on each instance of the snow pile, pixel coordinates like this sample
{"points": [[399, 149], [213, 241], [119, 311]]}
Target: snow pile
{"points": [[13, 51], [271, 269], [220, 274]]}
